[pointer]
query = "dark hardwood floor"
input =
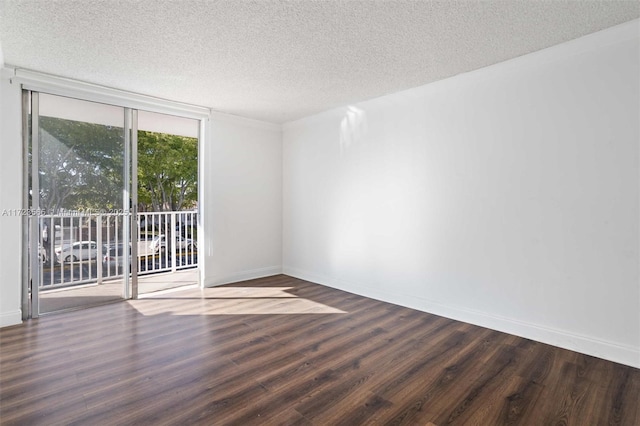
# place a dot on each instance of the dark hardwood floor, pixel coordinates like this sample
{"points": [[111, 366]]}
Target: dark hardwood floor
{"points": [[284, 351]]}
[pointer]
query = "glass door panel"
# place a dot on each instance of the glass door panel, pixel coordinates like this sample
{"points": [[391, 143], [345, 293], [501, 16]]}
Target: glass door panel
{"points": [[167, 193], [82, 228]]}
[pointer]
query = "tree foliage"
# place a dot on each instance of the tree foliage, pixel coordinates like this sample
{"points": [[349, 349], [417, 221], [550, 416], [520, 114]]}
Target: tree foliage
{"points": [[81, 166], [167, 171]]}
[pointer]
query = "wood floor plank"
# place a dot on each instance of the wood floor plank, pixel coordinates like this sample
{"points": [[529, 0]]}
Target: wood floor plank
{"points": [[284, 351], [375, 370], [491, 380]]}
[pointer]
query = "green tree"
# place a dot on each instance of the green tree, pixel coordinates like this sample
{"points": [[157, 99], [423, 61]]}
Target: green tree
{"points": [[80, 165], [167, 171]]}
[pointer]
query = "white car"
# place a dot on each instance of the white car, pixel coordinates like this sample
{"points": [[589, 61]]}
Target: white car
{"points": [[78, 251], [159, 244]]}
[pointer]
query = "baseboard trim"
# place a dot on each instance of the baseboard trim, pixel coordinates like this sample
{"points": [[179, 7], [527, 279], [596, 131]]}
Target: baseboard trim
{"points": [[623, 354], [242, 276], [10, 318]]}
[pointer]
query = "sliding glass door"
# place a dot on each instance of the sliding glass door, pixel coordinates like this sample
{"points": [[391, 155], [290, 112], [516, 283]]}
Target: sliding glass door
{"points": [[90, 168]]}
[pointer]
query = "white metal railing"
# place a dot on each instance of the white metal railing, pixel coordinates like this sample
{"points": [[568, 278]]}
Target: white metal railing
{"points": [[83, 248]]}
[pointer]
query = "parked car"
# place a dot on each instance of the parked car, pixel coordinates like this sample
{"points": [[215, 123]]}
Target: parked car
{"points": [[159, 244], [144, 244], [113, 259], [42, 255], [78, 251]]}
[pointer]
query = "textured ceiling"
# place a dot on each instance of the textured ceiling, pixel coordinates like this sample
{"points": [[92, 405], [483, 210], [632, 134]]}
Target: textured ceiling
{"points": [[282, 60]]}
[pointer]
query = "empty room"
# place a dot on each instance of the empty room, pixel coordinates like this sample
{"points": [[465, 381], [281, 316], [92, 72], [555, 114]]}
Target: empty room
{"points": [[347, 212]]}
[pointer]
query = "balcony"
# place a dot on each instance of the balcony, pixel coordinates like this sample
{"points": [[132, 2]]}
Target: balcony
{"points": [[86, 253]]}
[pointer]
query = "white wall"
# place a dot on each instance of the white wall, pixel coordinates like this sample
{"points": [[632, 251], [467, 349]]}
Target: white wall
{"points": [[507, 197], [10, 200], [242, 214]]}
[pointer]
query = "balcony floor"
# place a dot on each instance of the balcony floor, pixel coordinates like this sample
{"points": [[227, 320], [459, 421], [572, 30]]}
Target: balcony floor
{"points": [[95, 294]]}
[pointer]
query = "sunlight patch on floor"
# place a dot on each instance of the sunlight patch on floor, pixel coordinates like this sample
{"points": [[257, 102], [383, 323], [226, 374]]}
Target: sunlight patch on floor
{"points": [[232, 301]]}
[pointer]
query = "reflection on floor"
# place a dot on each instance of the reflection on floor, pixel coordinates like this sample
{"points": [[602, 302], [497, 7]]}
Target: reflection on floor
{"points": [[95, 294]]}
